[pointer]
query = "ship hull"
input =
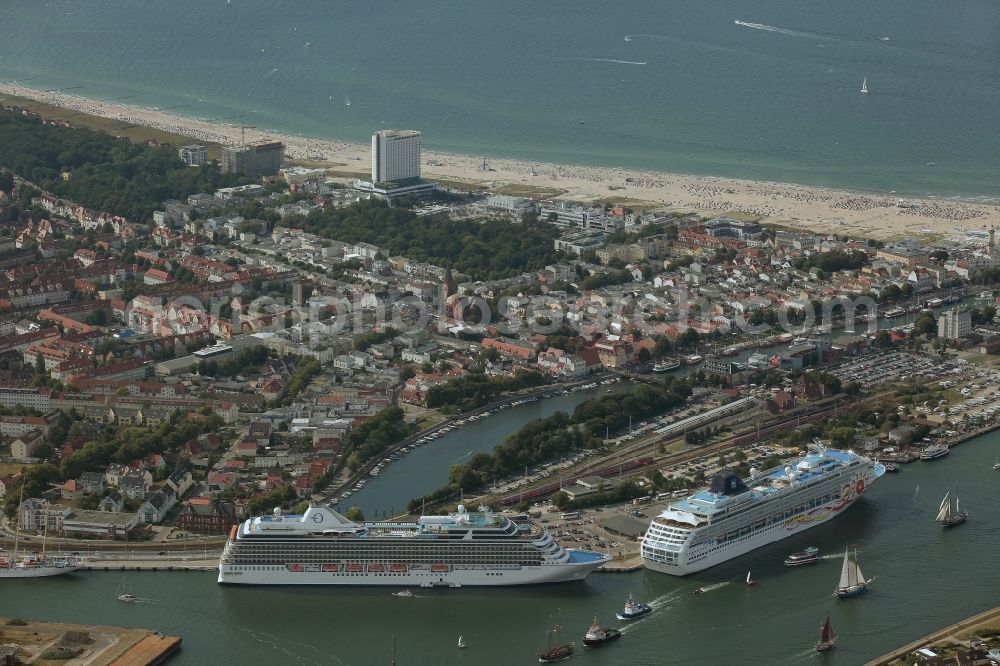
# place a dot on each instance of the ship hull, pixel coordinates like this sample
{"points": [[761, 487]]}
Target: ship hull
{"points": [[35, 572], [764, 537], [483, 577]]}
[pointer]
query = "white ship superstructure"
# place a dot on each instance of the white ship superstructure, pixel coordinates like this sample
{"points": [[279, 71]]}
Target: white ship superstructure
{"points": [[731, 518], [322, 547], [35, 567]]}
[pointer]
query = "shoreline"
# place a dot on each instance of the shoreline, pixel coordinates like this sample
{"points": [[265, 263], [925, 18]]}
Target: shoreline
{"points": [[86, 644], [964, 627], [817, 209]]}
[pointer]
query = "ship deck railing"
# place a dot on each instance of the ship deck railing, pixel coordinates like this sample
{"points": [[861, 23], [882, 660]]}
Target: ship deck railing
{"points": [[769, 493]]}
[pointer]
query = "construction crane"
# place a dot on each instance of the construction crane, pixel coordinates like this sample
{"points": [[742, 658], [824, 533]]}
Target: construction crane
{"points": [[243, 134]]}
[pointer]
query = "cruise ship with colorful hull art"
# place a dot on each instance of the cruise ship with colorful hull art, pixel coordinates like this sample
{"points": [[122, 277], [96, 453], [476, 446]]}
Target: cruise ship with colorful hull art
{"points": [[733, 517], [322, 547]]}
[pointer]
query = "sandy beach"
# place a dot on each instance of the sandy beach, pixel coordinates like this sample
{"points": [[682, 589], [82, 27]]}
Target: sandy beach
{"points": [[884, 217]]}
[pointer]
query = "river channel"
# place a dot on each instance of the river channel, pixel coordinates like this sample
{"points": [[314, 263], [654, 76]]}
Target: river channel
{"points": [[425, 468], [926, 577]]}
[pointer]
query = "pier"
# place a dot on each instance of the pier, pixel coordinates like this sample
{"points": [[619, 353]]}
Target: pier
{"points": [[85, 644]]}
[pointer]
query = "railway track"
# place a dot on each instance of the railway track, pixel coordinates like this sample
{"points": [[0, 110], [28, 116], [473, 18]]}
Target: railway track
{"points": [[644, 451]]}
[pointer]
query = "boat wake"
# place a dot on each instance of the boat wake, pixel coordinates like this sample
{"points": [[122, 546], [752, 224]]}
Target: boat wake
{"points": [[664, 601], [275, 643], [607, 60], [775, 28], [711, 588]]}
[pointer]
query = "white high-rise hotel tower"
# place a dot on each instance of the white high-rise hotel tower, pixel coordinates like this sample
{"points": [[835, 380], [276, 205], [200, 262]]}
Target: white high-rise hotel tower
{"points": [[395, 155]]}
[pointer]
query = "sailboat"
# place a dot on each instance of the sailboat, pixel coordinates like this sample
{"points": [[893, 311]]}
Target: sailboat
{"points": [[124, 594], [996, 463], [347, 102], [462, 644], [826, 637], [949, 513], [750, 581], [864, 86], [33, 566], [852, 581], [557, 650]]}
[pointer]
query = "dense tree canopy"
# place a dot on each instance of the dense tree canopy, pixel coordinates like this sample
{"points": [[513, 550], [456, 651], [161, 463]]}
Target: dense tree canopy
{"points": [[476, 389], [104, 173], [484, 250], [830, 262]]}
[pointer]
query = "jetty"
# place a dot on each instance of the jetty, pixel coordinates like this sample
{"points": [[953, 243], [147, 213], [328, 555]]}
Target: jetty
{"points": [[31, 642], [624, 565]]}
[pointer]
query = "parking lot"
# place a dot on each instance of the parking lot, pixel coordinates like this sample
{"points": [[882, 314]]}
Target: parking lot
{"points": [[873, 371]]}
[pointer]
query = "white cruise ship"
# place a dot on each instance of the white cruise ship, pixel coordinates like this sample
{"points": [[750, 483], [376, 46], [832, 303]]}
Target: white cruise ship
{"points": [[322, 547], [730, 519]]}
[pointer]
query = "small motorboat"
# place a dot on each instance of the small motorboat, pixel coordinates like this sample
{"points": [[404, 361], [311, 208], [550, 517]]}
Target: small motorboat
{"points": [[891, 467], [633, 610], [806, 556], [126, 597], [403, 593], [597, 635]]}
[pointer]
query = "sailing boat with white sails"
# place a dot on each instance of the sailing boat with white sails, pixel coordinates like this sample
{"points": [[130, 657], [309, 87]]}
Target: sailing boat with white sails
{"points": [[864, 86], [996, 463], [852, 581], [949, 513]]}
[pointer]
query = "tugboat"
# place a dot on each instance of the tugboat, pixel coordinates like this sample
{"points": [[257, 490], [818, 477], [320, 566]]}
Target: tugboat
{"points": [[633, 610], [949, 514], [808, 556], [852, 581], [557, 651], [826, 637], [597, 635]]}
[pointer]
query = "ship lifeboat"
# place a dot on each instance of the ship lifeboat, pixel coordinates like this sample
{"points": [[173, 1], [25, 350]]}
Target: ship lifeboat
{"points": [[354, 568], [330, 567], [296, 568], [439, 568], [397, 568], [376, 568]]}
